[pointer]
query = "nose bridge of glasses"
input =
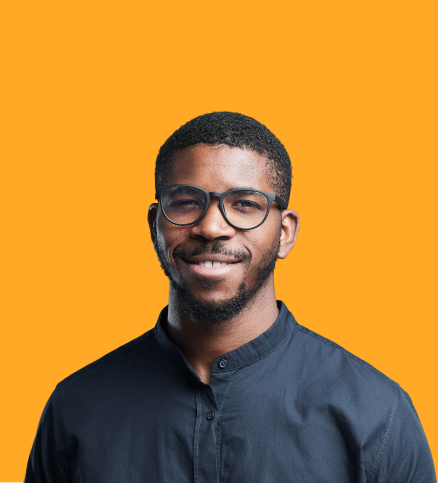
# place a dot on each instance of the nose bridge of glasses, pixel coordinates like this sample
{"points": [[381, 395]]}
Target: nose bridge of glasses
{"points": [[214, 194], [213, 223], [213, 206]]}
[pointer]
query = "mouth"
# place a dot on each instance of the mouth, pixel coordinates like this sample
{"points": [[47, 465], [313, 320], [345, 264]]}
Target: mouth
{"points": [[212, 264], [209, 267]]}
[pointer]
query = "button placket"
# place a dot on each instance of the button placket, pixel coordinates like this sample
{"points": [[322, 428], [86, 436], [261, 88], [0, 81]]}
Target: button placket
{"points": [[211, 398], [205, 436]]}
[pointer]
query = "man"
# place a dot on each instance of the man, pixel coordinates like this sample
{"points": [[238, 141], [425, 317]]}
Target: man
{"points": [[227, 387]]}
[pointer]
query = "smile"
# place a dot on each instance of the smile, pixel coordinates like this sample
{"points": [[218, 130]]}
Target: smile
{"points": [[211, 268], [210, 264]]}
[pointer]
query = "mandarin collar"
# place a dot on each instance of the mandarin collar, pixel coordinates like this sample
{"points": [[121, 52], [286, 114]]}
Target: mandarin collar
{"points": [[246, 354]]}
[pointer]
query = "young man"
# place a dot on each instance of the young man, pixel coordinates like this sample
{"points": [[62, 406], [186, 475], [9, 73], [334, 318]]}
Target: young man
{"points": [[227, 387]]}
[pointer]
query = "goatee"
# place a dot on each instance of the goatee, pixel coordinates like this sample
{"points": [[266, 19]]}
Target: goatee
{"points": [[212, 311]]}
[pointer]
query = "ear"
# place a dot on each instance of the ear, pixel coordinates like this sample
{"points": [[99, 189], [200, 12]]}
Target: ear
{"points": [[290, 224], [152, 220]]}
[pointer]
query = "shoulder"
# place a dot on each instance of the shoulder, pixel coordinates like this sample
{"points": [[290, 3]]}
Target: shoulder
{"points": [[367, 406], [335, 364], [107, 370]]}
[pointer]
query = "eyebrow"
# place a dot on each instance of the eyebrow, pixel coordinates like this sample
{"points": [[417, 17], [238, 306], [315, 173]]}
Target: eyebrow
{"points": [[242, 188]]}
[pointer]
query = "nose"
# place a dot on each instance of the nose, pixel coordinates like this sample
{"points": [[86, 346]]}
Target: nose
{"points": [[213, 225]]}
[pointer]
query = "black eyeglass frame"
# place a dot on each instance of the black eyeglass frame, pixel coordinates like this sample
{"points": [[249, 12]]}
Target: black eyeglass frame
{"points": [[208, 194]]}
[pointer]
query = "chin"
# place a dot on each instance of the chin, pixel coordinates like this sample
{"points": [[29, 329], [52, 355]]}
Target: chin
{"points": [[212, 309]]}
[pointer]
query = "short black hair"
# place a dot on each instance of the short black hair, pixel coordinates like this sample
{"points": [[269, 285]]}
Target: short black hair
{"points": [[234, 130]]}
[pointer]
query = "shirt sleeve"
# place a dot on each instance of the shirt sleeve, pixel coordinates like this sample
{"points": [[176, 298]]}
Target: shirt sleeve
{"points": [[44, 465], [405, 454]]}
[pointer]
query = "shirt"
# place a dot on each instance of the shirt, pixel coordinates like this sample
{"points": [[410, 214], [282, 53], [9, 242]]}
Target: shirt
{"points": [[288, 406]]}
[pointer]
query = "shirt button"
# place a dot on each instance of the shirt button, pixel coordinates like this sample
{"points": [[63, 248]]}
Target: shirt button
{"points": [[210, 415], [223, 363]]}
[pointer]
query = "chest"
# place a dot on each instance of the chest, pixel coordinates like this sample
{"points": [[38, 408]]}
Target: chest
{"points": [[237, 429]]}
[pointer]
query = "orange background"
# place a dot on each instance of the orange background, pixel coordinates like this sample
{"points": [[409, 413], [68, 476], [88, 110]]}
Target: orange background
{"points": [[90, 91]]}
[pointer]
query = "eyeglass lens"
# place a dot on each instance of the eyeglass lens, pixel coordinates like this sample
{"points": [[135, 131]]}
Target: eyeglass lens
{"points": [[243, 208]]}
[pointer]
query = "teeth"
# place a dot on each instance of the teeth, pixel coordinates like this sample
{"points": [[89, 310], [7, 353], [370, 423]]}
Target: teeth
{"points": [[208, 263]]}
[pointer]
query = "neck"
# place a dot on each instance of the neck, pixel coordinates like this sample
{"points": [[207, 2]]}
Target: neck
{"points": [[202, 341]]}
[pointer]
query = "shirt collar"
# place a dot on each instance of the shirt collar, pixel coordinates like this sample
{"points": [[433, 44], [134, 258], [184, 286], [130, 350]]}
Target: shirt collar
{"points": [[246, 354]]}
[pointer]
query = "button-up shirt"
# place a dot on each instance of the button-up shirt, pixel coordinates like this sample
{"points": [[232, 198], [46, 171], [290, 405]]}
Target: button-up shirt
{"points": [[289, 406]]}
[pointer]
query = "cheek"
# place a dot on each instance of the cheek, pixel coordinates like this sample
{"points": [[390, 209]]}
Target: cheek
{"points": [[168, 236], [265, 242]]}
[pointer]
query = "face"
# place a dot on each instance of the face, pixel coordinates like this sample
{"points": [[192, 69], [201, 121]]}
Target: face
{"points": [[244, 259]]}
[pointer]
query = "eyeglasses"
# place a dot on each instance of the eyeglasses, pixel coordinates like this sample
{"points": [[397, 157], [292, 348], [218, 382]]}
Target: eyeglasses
{"points": [[242, 208]]}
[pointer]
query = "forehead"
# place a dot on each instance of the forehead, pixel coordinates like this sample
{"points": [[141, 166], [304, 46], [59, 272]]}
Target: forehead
{"points": [[220, 168]]}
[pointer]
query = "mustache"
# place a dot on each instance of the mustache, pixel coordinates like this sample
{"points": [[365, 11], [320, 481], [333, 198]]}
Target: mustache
{"points": [[216, 248]]}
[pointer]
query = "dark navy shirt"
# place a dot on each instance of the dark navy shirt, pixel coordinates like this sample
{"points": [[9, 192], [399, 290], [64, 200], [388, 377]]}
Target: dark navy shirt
{"points": [[289, 406]]}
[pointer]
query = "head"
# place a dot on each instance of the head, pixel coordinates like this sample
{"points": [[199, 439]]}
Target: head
{"points": [[218, 152]]}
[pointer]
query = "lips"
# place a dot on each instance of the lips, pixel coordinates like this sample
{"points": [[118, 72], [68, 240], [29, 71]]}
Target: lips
{"points": [[211, 267], [211, 261], [211, 264], [215, 261]]}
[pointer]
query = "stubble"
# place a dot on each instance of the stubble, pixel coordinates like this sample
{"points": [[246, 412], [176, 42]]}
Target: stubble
{"points": [[216, 311]]}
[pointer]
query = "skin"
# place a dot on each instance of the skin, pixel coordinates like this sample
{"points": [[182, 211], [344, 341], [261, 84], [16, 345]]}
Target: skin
{"points": [[220, 168]]}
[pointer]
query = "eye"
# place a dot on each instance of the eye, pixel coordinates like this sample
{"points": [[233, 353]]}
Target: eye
{"points": [[246, 205], [184, 202], [178, 204]]}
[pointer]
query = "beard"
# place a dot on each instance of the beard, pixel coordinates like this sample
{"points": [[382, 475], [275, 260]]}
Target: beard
{"points": [[223, 310]]}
